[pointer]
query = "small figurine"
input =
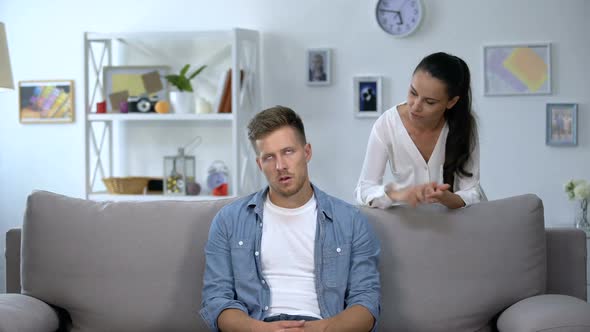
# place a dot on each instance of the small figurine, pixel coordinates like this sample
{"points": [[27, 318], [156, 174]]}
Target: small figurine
{"points": [[217, 181]]}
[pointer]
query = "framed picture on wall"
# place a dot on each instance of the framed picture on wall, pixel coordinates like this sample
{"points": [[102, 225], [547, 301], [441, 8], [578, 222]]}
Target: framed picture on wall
{"points": [[562, 125], [46, 101], [319, 66], [511, 70], [367, 96]]}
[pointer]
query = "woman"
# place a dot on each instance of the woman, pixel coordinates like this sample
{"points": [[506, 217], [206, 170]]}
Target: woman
{"points": [[430, 142]]}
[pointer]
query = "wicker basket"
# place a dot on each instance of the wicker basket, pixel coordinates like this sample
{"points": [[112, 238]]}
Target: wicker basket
{"points": [[132, 185]]}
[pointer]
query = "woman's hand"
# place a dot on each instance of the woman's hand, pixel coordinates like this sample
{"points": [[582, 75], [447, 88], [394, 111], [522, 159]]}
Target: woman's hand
{"points": [[426, 193], [412, 195], [436, 193]]}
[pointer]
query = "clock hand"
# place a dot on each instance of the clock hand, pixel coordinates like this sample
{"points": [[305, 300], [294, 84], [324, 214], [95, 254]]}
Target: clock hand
{"points": [[397, 12], [388, 10]]}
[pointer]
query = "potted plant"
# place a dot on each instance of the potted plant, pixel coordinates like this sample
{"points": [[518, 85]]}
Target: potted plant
{"points": [[183, 100]]}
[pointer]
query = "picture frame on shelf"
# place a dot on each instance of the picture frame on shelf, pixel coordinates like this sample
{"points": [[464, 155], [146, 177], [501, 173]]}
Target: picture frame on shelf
{"points": [[367, 96], [562, 124], [519, 69], [46, 101], [318, 65], [122, 82]]}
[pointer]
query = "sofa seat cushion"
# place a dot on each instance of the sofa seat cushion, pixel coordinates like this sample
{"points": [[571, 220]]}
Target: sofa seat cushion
{"points": [[548, 313], [117, 266], [455, 270], [21, 313]]}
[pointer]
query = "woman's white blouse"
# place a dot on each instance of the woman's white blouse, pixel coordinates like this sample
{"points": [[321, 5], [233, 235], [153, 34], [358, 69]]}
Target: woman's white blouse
{"points": [[390, 142]]}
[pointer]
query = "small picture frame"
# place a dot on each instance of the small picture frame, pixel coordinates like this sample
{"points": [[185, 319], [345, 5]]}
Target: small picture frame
{"points": [[121, 82], [520, 69], [367, 96], [562, 124], [49, 101], [318, 66]]}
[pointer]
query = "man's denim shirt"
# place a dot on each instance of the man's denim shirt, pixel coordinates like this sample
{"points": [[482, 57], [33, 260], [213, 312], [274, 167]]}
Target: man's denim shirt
{"points": [[346, 257]]}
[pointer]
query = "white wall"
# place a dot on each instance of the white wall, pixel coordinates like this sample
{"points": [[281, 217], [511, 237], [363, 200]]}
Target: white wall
{"points": [[46, 42]]}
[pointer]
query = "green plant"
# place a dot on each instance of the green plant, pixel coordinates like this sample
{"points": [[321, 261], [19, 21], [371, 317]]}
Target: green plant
{"points": [[183, 82]]}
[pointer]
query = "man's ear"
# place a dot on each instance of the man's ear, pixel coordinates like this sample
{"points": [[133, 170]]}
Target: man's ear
{"points": [[258, 163], [308, 152]]}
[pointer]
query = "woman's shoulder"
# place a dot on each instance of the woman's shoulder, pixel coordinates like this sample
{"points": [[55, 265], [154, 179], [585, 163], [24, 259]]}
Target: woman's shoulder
{"points": [[389, 118]]}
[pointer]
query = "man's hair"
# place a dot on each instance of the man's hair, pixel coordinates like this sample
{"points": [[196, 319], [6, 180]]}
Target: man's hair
{"points": [[271, 119]]}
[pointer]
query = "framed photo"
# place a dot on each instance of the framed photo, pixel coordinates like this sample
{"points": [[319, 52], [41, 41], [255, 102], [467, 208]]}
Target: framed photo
{"points": [[511, 70], [562, 125], [318, 66], [367, 96], [46, 101], [121, 82]]}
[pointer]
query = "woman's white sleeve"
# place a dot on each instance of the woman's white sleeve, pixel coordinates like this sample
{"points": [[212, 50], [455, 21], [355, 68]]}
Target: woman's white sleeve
{"points": [[468, 187], [370, 190]]}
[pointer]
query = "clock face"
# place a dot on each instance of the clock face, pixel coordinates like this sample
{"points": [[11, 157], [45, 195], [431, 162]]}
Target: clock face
{"points": [[399, 17]]}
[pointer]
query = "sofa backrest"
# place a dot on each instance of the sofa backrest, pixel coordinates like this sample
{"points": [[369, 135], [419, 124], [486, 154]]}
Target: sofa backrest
{"points": [[124, 266], [453, 270], [137, 266]]}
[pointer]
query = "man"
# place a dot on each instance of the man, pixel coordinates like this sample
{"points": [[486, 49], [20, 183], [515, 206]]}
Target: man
{"points": [[290, 257]]}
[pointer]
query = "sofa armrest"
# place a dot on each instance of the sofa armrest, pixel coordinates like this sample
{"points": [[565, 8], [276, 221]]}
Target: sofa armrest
{"points": [[13, 238], [22, 313], [555, 313], [566, 262]]}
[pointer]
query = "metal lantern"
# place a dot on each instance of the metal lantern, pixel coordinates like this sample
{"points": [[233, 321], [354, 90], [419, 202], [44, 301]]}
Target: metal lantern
{"points": [[179, 173]]}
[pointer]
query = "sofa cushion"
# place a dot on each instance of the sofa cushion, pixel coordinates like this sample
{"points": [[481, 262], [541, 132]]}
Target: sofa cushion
{"points": [[117, 266], [21, 313], [454, 270], [555, 313]]}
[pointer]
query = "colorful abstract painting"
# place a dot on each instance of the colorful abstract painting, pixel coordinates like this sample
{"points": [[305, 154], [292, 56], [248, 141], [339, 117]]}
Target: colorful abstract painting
{"points": [[46, 101], [517, 70]]}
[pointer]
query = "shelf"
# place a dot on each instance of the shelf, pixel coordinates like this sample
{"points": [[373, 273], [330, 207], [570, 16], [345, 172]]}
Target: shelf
{"points": [[160, 117], [161, 35], [150, 198], [133, 143]]}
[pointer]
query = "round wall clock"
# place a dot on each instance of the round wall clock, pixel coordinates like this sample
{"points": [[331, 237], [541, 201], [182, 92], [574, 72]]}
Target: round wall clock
{"points": [[399, 17]]}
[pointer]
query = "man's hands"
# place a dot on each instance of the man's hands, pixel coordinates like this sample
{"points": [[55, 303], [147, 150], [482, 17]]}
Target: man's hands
{"points": [[426, 193], [234, 320], [280, 326]]}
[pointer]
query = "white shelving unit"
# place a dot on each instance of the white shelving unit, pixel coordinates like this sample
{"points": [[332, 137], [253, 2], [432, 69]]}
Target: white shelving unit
{"points": [[134, 144]]}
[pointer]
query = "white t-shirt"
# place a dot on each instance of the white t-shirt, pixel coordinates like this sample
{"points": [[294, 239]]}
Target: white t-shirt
{"points": [[287, 255], [390, 142]]}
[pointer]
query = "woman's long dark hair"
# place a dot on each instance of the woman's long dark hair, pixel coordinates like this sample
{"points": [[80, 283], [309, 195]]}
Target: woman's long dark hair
{"points": [[461, 140]]}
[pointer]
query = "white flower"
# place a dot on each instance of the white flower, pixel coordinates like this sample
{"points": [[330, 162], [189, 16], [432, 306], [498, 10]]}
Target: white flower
{"points": [[569, 186], [577, 189], [582, 191]]}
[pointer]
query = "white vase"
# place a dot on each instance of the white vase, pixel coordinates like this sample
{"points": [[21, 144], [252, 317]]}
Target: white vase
{"points": [[182, 102]]}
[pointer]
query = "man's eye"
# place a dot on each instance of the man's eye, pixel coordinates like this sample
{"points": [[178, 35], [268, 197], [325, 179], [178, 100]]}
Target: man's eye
{"points": [[289, 151], [430, 102], [267, 158], [413, 93]]}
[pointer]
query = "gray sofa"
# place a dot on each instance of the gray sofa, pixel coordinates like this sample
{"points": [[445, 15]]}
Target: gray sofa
{"points": [[137, 266]]}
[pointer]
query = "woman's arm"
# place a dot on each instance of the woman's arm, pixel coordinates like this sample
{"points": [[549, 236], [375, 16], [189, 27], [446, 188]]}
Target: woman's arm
{"points": [[370, 190], [469, 188]]}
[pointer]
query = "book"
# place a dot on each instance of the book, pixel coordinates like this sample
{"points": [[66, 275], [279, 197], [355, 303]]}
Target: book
{"points": [[226, 102], [225, 106], [219, 92]]}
